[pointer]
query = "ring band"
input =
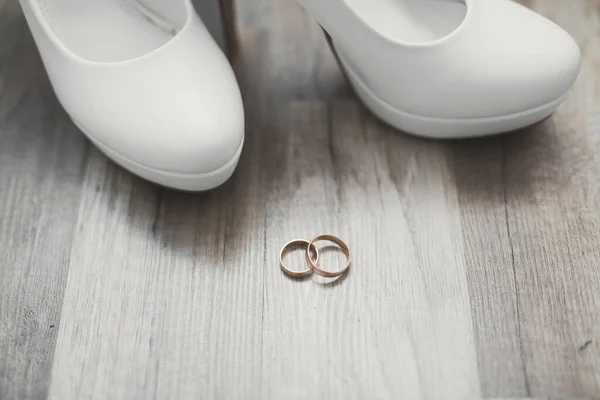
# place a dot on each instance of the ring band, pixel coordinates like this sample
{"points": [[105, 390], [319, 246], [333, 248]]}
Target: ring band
{"points": [[306, 272], [314, 265]]}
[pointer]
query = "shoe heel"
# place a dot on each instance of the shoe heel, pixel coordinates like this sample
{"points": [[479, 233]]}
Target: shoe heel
{"points": [[229, 26], [336, 55]]}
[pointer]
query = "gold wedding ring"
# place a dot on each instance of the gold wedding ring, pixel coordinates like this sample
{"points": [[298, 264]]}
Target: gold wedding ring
{"points": [[309, 260], [314, 265]]}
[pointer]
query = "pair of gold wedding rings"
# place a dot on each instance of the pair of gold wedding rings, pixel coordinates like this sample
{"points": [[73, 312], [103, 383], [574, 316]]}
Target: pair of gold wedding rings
{"points": [[312, 257]]}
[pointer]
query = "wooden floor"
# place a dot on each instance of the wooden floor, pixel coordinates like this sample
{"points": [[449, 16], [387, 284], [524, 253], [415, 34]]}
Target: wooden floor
{"points": [[476, 267]]}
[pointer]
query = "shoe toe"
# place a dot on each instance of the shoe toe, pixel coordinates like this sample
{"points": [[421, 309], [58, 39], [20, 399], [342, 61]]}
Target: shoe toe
{"points": [[535, 63], [189, 121], [550, 61], [199, 133], [512, 60]]}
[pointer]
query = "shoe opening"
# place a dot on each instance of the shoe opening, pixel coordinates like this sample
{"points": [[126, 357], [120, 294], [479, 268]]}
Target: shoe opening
{"points": [[411, 21], [113, 30]]}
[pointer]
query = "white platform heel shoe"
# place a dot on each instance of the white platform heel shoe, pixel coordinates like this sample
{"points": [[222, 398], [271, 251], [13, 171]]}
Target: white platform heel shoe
{"points": [[145, 81], [450, 68]]}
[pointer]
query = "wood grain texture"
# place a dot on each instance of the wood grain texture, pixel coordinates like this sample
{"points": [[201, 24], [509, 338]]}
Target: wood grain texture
{"points": [[479, 166], [41, 159], [321, 174], [553, 204], [476, 263]]}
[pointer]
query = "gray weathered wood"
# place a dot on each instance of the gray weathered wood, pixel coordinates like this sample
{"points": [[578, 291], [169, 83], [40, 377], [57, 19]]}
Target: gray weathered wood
{"points": [[41, 159], [480, 168], [476, 263], [553, 207]]}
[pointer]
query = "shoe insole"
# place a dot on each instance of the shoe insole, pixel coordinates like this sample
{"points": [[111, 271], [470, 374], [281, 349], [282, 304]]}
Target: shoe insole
{"points": [[107, 30], [411, 21]]}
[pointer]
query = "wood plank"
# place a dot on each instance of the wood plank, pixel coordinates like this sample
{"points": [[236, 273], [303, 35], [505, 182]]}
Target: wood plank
{"points": [[41, 159], [520, 398], [506, 265], [554, 219], [424, 249], [479, 166], [398, 325], [296, 317], [164, 294]]}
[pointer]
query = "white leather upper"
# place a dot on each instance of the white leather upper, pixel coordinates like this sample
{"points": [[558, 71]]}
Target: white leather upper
{"points": [[176, 109], [502, 59]]}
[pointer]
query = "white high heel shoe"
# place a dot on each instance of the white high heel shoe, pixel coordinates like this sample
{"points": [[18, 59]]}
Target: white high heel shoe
{"points": [[450, 68], [145, 81]]}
